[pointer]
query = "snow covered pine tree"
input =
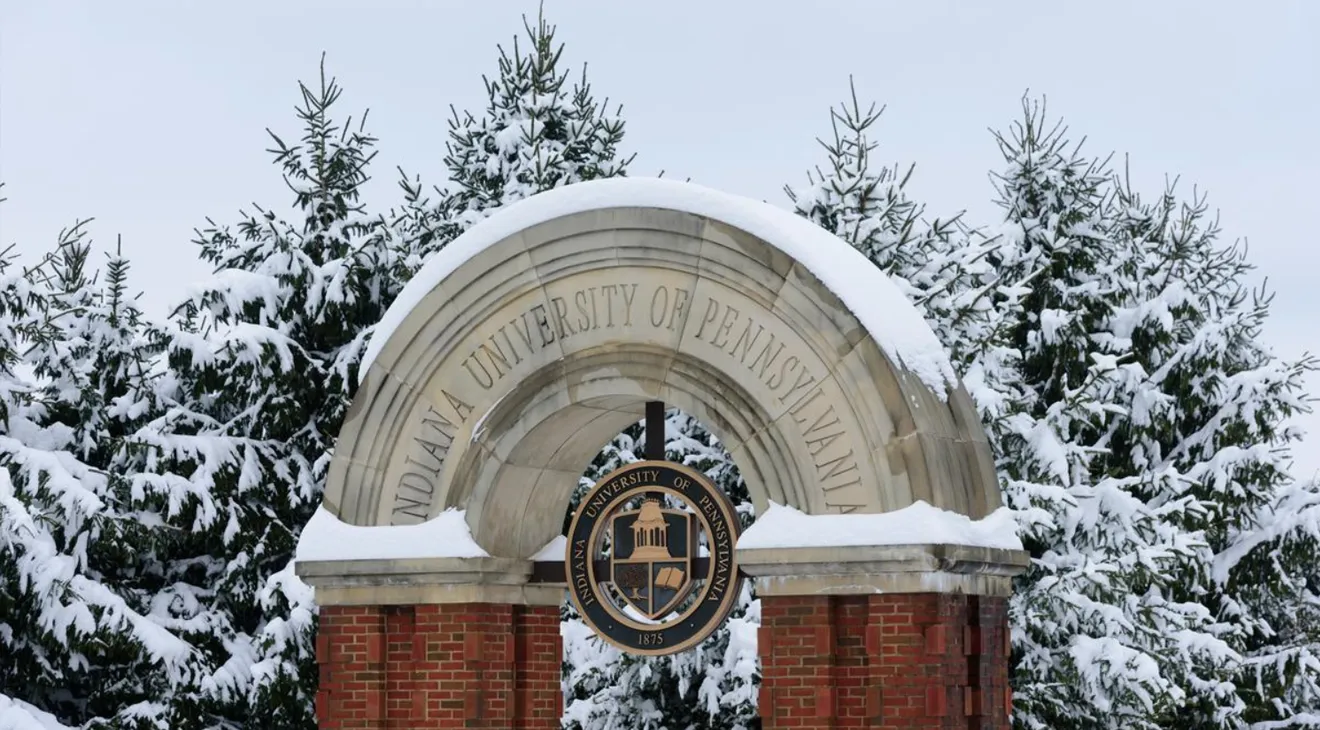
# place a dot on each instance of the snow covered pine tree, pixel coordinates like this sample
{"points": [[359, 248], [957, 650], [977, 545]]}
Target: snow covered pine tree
{"points": [[1180, 398], [90, 639], [1143, 452], [938, 265], [1205, 422], [537, 133], [265, 356], [1098, 640]]}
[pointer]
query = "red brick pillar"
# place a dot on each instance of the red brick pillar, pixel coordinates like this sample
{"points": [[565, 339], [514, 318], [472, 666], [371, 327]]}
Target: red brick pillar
{"points": [[538, 667], [796, 642], [891, 661], [350, 654], [913, 652], [429, 667], [989, 650], [884, 637]]}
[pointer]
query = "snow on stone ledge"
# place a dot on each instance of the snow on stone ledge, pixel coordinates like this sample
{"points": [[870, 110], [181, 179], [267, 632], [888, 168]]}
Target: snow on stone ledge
{"points": [[917, 524], [326, 537], [553, 550], [877, 303]]}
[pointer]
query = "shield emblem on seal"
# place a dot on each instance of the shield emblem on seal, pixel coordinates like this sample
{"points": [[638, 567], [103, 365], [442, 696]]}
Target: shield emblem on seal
{"points": [[651, 560]]}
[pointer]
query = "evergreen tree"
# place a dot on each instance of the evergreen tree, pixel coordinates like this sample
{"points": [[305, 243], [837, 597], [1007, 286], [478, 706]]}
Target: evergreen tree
{"points": [[422, 225], [1205, 421], [1278, 683], [286, 315], [94, 361], [1106, 631], [1113, 353], [536, 134], [937, 264], [96, 647], [44, 511]]}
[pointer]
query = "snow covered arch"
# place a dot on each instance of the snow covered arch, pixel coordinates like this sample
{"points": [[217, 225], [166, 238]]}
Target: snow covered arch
{"points": [[527, 343]]}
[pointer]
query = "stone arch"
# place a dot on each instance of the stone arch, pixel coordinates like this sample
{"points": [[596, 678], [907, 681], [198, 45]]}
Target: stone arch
{"points": [[533, 339]]}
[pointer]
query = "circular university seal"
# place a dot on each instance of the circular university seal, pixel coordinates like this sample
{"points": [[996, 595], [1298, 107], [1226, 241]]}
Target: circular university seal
{"points": [[650, 558]]}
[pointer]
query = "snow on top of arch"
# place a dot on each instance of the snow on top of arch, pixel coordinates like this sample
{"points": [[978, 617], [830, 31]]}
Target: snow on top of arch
{"points": [[877, 303]]}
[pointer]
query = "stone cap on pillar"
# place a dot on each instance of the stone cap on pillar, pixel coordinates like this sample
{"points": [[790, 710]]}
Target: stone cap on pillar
{"points": [[434, 562], [917, 549], [866, 569], [432, 580]]}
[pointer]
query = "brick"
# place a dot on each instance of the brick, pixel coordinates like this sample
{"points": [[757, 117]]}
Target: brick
{"points": [[972, 642], [936, 636], [937, 701], [472, 704], [432, 667], [874, 640], [824, 702], [323, 647], [823, 640], [874, 703], [375, 648], [765, 703], [472, 646], [420, 703]]}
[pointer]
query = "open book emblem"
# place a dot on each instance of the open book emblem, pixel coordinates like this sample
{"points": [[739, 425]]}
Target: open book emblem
{"points": [[651, 564]]}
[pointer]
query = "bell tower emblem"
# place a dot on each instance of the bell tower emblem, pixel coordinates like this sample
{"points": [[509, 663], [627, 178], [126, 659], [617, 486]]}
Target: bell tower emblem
{"points": [[652, 557]]}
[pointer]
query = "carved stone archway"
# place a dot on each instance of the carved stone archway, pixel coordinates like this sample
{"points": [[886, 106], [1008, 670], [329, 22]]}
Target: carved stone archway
{"points": [[531, 341]]}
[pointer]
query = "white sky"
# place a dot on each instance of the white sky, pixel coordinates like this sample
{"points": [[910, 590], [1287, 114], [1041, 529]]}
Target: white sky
{"points": [[150, 116]]}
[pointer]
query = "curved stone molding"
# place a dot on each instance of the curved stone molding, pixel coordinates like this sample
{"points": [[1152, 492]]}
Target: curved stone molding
{"points": [[506, 379]]}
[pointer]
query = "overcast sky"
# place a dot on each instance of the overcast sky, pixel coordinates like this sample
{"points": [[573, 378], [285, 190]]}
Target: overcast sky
{"points": [[151, 116]]}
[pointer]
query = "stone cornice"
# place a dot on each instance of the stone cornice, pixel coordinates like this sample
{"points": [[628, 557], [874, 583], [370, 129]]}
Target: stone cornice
{"points": [[857, 570], [427, 581]]}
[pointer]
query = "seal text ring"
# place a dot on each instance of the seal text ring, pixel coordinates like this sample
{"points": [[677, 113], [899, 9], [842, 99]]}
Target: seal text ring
{"points": [[648, 522]]}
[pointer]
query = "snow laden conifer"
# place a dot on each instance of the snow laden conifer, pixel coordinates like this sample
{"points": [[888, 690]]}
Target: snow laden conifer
{"points": [[1205, 412], [93, 646], [265, 357], [1103, 635], [936, 263], [538, 132]]}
